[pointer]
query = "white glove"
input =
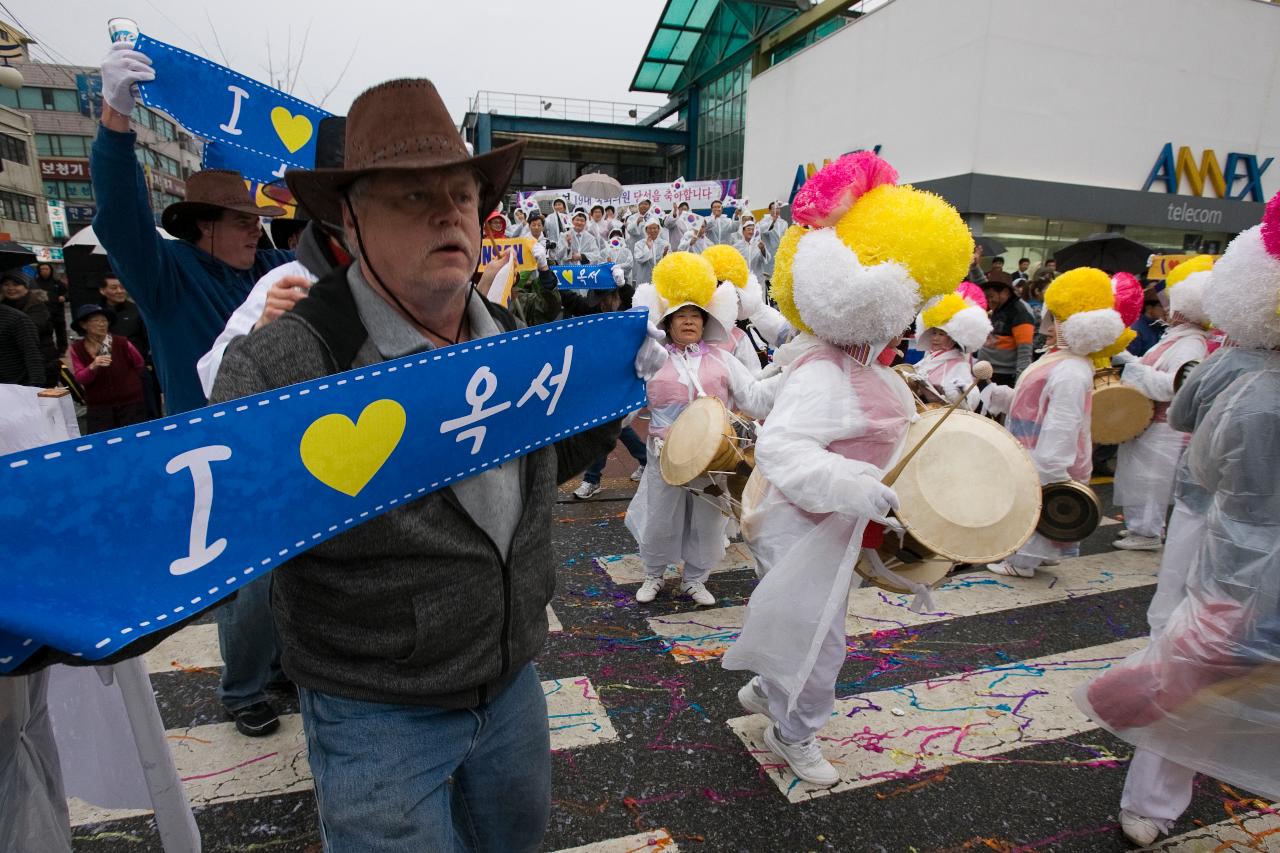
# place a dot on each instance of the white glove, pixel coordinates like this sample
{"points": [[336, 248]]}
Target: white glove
{"points": [[870, 498], [1123, 357], [619, 278], [122, 70], [750, 298], [540, 255], [651, 356], [954, 389]]}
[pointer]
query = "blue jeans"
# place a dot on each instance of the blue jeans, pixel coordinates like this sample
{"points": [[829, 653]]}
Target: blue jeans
{"points": [[249, 645], [412, 778], [634, 446]]}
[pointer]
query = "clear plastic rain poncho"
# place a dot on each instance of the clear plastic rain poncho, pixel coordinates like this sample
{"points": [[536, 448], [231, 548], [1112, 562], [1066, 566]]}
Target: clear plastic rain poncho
{"points": [[1206, 692]]}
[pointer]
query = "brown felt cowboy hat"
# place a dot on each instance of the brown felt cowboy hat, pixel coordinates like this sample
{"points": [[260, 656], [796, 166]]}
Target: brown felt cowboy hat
{"points": [[209, 192], [402, 125]]}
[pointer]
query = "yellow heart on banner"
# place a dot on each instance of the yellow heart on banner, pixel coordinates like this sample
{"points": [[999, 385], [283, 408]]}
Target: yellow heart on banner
{"points": [[294, 131], [568, 276], [344, 455]]}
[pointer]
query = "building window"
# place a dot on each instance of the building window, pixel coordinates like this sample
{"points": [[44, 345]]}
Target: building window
{"points": [[63, 145], [158, 161], [40, 98], [77, 192], [14, 149], [18, 207], [721, 117]]}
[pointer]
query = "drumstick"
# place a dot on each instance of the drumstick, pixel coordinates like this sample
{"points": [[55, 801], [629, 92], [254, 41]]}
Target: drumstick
{"points": [[981, 373]]}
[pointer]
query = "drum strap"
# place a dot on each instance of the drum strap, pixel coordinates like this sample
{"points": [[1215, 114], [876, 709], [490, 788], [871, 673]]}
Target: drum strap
{"points": [[681, 361], [921, 602]]}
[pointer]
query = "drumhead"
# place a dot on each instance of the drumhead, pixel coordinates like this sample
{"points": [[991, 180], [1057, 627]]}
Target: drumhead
{"points": [[971, 494], [694, 440], [1120, 412]]}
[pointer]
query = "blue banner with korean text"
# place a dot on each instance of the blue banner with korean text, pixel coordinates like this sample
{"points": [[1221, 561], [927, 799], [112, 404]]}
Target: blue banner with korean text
{"points": [[207, 501], [260, 131], [587, 277]]}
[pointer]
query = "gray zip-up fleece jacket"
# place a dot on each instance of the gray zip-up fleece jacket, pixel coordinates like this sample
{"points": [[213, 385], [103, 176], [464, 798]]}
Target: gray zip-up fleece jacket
{"points": [[417, 606]]}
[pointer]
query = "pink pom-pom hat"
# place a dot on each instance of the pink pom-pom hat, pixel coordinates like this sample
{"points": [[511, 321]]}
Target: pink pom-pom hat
{"points": [[1270, 226], [1128, 296], [834, 188], [970, 292]]}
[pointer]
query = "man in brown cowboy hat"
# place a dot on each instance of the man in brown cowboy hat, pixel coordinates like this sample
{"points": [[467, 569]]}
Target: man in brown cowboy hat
{"points": [[411, 637], [185, 288]]}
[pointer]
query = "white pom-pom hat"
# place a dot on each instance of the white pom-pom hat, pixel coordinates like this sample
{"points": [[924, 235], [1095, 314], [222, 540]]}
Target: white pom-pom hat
{"points": [[1244, 300]]}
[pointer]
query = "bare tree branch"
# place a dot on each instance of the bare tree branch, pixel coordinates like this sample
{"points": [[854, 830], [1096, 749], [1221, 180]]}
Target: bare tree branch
{"points": [[216, 40], [341, 74]]}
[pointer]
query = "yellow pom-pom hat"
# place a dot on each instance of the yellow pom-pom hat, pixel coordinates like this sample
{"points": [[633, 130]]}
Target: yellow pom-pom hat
{"points": [[1083, 301], [962, 314], [728, 263], [1186, 285], [875, 253], [684, 278]]}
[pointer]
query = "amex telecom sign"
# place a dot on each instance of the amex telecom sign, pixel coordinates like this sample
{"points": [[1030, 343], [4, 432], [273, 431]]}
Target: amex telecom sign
{"points": [[1240, 178]]}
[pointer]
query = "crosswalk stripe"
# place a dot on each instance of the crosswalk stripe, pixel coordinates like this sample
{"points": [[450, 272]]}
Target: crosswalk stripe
{"points": [[628, 568], [644, 842], [930, 725], [217, 764], [196, 647], [706, 634], [1253, 831]]}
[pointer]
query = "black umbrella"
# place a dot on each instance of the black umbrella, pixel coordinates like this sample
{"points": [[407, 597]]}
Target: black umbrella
{"points": [[1107, 251], [14, 255], [990, 246]]}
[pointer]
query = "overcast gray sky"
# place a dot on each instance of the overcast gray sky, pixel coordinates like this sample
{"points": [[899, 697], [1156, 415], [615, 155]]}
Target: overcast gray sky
{"points": [[568, 48]]}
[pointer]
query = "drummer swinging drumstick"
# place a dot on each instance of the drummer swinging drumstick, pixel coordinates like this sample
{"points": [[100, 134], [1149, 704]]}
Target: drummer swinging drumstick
{"points": [[839, 424], [671, 524], [949, 333], [1048, 411]]}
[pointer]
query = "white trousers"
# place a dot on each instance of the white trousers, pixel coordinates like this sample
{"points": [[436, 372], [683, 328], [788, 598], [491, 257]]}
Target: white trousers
{"points": [[1186, 532], [1146, 519], [1157, 788], [692, 573], [817, 698]]}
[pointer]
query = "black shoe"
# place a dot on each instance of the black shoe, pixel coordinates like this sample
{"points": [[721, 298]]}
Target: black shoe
{"points": [[257, 720]]}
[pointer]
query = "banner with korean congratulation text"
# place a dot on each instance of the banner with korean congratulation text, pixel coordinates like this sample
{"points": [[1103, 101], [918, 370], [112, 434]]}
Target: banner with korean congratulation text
{"points": [[204, 502], [698, 194], [259, 131]]}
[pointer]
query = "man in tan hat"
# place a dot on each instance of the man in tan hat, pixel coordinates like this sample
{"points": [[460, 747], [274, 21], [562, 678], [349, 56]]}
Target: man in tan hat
{"points": [[411, 637], [186, 289]]}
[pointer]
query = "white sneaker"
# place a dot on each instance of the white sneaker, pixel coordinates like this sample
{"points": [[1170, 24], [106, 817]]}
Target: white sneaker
{"points": [[1004, 567], [1124, 533], [1142, 831], [637, 474], [1133, 542], [752, 699], [699, 593], [586, 490], [804, 758], [649, 590]]}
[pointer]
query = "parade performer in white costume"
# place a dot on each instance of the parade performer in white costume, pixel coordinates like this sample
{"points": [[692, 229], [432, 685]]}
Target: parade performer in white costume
{"points": [[950, 332], [1146, 465], [1204, 695], [850, 286], [671, 524]]}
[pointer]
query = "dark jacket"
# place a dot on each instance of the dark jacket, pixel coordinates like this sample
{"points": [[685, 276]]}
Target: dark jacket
{"points": [[20, 359], [416, 606], [185, 294], [56, 290], [128, 324], [36, 307]]}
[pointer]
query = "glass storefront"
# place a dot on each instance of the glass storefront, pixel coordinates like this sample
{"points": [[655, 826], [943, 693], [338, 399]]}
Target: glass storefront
{"points": [[722, 115], [1038, 238]]}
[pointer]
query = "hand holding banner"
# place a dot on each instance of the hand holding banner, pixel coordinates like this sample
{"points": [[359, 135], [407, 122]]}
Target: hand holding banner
{"points": [[200, 504], [260, 131]]}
